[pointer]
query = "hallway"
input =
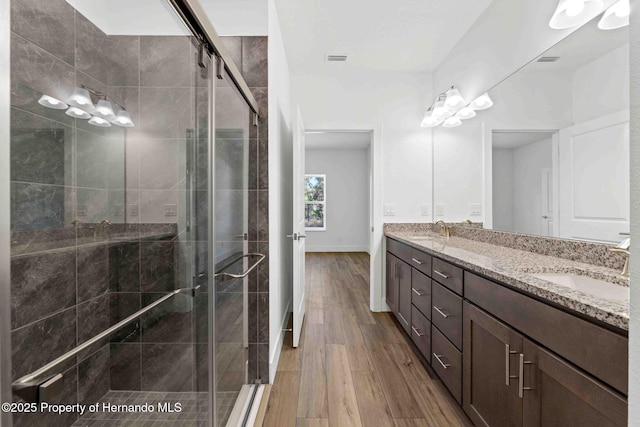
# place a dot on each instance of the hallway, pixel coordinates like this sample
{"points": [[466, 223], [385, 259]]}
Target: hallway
{"points": [[353, 367]]}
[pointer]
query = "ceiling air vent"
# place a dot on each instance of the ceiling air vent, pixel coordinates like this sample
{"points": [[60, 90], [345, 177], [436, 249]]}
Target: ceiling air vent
{"points": [[548, 59], [336, 58]]}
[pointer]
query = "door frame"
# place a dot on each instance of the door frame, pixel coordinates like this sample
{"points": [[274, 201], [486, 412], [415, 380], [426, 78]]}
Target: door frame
{"points": [[487, 182], [376, 221]]}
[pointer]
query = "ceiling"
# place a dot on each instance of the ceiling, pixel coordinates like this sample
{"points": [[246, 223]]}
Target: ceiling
{"points": [[509, 140], [337, 140], [584, 45], [406, 35]]}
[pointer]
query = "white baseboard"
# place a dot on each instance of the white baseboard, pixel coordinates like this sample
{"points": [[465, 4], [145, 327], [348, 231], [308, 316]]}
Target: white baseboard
{"points": [[275, 357], [337, 248]]}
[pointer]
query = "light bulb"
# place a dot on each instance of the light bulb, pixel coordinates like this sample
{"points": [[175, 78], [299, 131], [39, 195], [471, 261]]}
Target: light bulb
{"points": [[123, 119], [466, 113], [454, 99], [51, 102], [81, 98], [429, 120], [100, 122], [77, 113], [452, 122], [104, 109], [482, 102], [574, 7]]}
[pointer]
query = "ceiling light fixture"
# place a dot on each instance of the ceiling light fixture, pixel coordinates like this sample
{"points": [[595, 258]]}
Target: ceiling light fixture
{"points": [[482, 102], [572, 13], [51, 102], [466, 113], [617, 16]]}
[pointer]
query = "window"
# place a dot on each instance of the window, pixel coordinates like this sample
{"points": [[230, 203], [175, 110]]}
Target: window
{"points": [[315, 199]]}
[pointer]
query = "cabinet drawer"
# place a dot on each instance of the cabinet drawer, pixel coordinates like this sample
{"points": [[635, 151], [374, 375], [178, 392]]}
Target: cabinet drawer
{"points": [[421, 261], [421, 332], [400, 250], [447, 313], [446, 361], [447, 274], [421, 293], [567, 335]]}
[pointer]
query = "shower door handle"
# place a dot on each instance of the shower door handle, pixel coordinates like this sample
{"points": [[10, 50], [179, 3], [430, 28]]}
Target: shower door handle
{"points": [[225, 276]]}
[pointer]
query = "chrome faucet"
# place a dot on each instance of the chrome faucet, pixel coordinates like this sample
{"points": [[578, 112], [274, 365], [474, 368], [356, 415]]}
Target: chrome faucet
{"points": [[623, 248], [101, 228], [445, 229]]}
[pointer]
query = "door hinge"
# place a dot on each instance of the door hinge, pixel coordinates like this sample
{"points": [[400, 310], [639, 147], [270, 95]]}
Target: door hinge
{"points": [[220, 68], [202, 54]]}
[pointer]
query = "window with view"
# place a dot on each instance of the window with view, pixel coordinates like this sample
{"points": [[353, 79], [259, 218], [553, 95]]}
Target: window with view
{"points": [[315, 197]]}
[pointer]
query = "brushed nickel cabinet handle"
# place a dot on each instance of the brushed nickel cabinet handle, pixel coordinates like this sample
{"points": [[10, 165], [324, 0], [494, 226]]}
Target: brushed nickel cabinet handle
{"points": [[418, 292], [403, 319], [417, 261], [438, 358], [507, 363], [521, 387], [444, 276], [417, 331], [445, 315]]}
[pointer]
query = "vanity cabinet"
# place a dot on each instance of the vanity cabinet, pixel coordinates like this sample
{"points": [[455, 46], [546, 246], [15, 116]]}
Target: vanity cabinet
{"points": [[508, 358], [398, 293]]}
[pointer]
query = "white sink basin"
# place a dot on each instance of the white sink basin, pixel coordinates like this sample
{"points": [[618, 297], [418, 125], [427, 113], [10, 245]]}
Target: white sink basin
{"points": [[587, 285]]}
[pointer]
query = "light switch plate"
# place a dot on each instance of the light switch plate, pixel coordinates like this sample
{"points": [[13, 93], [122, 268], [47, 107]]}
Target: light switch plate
{"points": [[389, 210], [475, 209], [425, 210], [440, 209], [171, 210]]}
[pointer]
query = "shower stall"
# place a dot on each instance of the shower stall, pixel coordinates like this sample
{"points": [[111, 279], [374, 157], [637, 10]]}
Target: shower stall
{"points": [[125, 292]]}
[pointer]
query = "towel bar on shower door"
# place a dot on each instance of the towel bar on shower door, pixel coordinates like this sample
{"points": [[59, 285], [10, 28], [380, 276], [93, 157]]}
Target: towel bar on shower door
{"points": [[227, 276]]}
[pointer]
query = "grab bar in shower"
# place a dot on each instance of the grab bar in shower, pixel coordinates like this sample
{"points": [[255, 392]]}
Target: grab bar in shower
{"points": [[36, 387], [226, 276]]}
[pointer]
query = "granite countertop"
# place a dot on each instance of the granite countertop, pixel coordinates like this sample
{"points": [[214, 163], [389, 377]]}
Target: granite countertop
{"points": [[515, 268]]}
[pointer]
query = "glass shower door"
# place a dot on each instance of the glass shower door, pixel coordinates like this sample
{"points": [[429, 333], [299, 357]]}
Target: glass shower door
{"points": [[232, 259]]}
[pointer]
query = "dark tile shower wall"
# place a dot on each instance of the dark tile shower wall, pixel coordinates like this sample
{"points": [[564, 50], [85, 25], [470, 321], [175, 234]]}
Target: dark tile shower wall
{"points": [[250, 55]]}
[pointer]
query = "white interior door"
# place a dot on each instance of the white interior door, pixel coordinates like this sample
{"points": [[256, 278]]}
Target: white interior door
{"points": [[546, 202], [298, 237], [594, 179]]}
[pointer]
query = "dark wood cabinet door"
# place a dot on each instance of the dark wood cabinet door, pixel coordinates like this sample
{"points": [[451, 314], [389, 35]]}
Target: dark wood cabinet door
{"points": [[490, 383], [556, 393], [404, 295], [392, 283]]}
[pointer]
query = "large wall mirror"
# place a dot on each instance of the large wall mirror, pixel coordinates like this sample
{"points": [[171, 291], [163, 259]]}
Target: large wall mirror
{"points": [[551, 157]]}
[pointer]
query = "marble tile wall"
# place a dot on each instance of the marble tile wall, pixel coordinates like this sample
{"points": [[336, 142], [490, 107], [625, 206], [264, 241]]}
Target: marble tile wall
{"points": [[250, 55]]}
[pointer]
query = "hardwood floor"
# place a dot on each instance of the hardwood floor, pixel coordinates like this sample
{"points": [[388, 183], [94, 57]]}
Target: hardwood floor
{"points": [[353, 367]]}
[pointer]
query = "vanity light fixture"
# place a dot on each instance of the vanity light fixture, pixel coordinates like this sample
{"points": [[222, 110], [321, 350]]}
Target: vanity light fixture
{"points": [[452, 122], [482, 102], [440, 109], [466, 113], [100, 122], [454, 100], [617, 16], [81, 98], [429, 120], [571, 13], [51, 102], [104, 110], [77, 113], [123, 119]]}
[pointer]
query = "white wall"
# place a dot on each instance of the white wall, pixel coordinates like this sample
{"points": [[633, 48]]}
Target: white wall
{"points": [[349, 98], [502, 189], [347, 207], [528, 162], [280, 191], [610, 94], [634, 306]]}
